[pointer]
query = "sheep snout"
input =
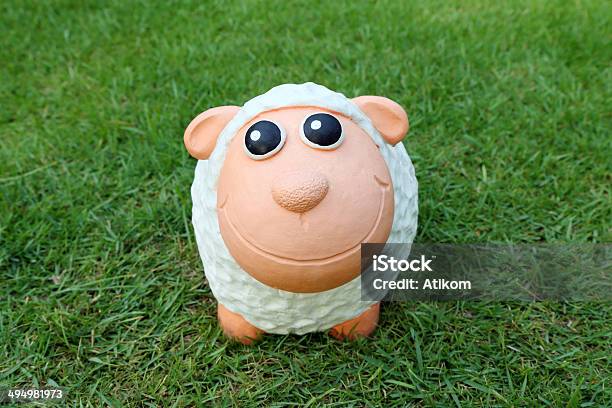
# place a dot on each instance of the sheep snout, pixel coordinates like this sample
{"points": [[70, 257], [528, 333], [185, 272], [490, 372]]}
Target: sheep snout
{"points": [[300, 191]]}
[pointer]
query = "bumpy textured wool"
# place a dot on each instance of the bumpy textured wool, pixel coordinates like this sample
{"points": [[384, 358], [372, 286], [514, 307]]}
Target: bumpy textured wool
{"points": [[274, 310]]}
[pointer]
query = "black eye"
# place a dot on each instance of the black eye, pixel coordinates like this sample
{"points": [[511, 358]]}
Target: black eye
{"points": [[263, 139], [322, 131]]}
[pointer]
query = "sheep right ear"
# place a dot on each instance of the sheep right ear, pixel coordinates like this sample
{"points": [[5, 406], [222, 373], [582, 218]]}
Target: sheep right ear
{"points": [[201, 134]]}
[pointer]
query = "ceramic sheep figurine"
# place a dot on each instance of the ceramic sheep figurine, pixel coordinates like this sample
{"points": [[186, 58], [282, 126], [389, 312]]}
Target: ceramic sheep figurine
{"points": [[286, 190]]}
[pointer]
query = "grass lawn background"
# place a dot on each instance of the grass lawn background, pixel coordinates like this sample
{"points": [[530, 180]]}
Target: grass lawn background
{"points": [[101, 287]]}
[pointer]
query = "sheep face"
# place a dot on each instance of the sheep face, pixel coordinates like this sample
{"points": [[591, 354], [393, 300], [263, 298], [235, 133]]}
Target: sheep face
{"points": [[300, 189], [300, 181]]}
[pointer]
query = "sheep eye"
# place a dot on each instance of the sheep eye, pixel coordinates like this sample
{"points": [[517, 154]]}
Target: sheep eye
{"points": [[263, 139], [322, 131]]}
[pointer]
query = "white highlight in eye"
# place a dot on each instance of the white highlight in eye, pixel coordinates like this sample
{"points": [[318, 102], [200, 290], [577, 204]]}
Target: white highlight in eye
{"points": [[255, 135], [315, 125]]}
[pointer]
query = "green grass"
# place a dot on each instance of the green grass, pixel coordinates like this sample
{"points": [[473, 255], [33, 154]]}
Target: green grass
{"points": [[101, 287]]}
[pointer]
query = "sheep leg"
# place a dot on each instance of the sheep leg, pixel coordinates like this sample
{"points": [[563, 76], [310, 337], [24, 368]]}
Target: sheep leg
{"points": [[360, 326], [236, 327]]}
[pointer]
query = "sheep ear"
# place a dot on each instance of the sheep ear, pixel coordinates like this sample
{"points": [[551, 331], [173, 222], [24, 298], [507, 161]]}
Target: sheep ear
{"points": [[388, 117], [201, 134]]}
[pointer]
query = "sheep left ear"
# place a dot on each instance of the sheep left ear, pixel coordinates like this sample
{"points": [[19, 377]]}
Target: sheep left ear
{"points": [[388, 117]]}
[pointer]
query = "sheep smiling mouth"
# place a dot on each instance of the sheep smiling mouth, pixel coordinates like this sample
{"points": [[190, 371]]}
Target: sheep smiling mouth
{"points": [[384, 187]]}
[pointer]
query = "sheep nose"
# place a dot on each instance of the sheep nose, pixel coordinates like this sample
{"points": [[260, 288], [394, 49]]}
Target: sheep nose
{"points": [[300, 191]]}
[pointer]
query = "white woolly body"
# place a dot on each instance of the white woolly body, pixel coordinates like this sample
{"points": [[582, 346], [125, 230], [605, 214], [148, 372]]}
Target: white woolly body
{"points": [[274, 310]]}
